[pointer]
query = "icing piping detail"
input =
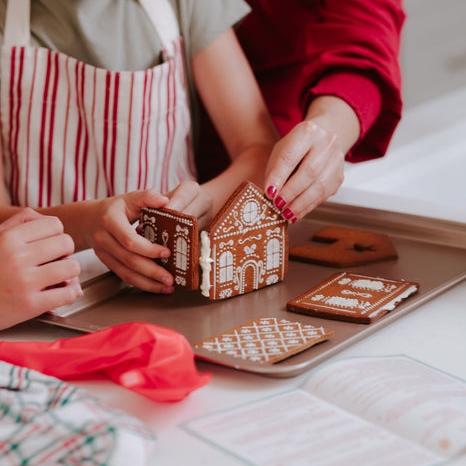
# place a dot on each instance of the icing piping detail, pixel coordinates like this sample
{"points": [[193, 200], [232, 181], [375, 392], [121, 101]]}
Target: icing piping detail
{"points": [[393, 303], [205, 262]]}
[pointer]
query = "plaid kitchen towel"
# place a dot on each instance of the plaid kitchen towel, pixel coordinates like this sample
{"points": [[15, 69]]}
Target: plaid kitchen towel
{"points": [[44, 421]]}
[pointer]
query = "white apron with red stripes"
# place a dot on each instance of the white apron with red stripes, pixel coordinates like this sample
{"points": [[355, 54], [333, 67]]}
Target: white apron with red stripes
{"points": [[71, 131]]}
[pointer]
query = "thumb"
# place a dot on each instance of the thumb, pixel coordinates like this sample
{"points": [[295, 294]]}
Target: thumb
{"points": [[137, 200]]}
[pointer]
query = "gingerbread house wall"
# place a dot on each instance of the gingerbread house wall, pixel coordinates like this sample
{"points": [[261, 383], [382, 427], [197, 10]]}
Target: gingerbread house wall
{"points": [[178, 232], [249, 246]]}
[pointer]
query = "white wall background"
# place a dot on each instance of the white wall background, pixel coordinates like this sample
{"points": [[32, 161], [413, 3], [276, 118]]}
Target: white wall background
{"points": [[424, 171], [434, 48]]}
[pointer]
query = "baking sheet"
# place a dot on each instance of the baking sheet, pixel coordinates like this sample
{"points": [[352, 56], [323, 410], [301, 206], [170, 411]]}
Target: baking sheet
{"points": [[431, 252]]}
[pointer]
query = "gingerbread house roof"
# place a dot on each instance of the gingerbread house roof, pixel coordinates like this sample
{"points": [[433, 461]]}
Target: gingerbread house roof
{"points": [[246, 210]]}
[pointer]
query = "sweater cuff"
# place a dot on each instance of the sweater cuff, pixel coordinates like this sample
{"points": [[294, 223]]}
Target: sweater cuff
{"points": [[359, 91]]}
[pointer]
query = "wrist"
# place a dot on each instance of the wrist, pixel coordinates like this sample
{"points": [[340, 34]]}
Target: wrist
{"points": [[249, 165], [337, 117]]}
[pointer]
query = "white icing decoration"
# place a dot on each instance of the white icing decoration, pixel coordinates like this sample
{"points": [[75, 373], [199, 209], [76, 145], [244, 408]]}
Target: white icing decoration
{"points": [[393, 303], [263, 339], [249, 238], [271, 279], [356, 293], [168, 215], [342, 302], [182, 230], [205, 262], [150, 233], [365, 284], [165, 241], [317, 297], [233, 223], [248, 250], [275, 231], [226, 293], [344, 281], [180, 281]]}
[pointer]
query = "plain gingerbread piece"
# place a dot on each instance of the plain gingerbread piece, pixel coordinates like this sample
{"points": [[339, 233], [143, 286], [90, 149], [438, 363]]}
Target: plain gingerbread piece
{"points": [[244, 248], [353, 297], [344, 247]]}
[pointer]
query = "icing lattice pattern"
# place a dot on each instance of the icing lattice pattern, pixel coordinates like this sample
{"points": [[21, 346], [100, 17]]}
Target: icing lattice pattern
{"points": [[267, 340]]}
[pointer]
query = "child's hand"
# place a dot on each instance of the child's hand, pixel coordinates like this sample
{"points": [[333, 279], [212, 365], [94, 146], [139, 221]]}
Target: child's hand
{"points": [[190, 198], [121, 248], [35, 273]]}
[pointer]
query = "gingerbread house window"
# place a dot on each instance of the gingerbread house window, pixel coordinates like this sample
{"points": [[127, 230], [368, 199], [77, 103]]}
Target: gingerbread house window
{"points": [[273, 253], [226, 267], [250, 212], [181, 258], [150, 233]]}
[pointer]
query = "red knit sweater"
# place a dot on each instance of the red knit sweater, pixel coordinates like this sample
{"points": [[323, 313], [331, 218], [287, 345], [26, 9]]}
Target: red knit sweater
{"points": [[300, 49]]}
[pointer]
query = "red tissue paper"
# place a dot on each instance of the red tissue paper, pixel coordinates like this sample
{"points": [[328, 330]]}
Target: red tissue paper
{"points": [[153, 361]]}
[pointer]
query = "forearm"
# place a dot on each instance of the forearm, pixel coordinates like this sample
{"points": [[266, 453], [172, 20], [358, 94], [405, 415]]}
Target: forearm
{"points": [[7, 211], [337, 117], [76, 218], [249, 165]]}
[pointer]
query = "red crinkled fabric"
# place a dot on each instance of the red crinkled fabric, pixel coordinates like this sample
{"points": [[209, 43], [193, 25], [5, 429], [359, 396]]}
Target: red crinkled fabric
{"points": [[153, 361]]}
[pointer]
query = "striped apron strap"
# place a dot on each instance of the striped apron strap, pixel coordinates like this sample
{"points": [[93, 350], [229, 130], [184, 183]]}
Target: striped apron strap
{"points": [[17, 23]]}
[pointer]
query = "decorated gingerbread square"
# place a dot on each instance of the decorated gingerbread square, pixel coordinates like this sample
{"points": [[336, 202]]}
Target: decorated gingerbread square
{"points": [[266, 340], [353, 297], [244, 248]]}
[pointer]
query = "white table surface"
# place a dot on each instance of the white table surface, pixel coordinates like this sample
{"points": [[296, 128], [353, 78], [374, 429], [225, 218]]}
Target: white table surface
{"points": [[435, 334]]}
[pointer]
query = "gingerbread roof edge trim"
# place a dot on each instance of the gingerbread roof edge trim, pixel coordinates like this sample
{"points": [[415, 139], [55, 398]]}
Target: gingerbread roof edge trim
{"points": [[190, 220], [262, 205]]}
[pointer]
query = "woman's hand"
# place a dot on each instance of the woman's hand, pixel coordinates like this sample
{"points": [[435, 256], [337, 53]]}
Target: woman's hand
{"points": [[306, 166], [36, 274], [121, 248], [190, 198]]}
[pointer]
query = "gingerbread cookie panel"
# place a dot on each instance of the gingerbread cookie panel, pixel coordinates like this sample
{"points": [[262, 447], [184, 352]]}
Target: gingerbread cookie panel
{"points": [[179, 233], [247, 244], [336, 246], [266, 340], [353, 297]]}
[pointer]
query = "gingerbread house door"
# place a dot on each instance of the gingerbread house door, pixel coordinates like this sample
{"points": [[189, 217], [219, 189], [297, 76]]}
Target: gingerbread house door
{"points": [[249, 275]]}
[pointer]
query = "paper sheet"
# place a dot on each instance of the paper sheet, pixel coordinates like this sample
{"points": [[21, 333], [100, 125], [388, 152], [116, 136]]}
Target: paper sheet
{"points": [[416, 401], [388, 411], [298, 429]]}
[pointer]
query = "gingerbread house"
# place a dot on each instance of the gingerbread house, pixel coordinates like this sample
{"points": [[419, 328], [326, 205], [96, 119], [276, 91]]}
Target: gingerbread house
{"points": [[244, 248]]}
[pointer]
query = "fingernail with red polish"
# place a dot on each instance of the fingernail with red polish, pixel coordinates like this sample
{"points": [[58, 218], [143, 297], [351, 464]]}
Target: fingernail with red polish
{"points": [[271, 192], [294, 220], [288, 214], [280, 202]]}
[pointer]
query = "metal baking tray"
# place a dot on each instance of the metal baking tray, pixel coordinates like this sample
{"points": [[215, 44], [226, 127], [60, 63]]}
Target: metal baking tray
{"points": [[431, 252]]}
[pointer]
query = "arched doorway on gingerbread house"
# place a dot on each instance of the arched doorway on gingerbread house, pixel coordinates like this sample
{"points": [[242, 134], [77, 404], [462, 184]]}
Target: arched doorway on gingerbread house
{"points": [[249, 275]]}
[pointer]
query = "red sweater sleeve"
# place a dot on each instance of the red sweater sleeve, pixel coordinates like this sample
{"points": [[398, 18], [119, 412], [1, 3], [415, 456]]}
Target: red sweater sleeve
{"points": [[359, 91], [300, 49]]}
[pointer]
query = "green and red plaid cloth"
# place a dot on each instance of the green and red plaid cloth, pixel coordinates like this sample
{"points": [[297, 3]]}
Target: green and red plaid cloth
{"points": [[44, 421]]}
